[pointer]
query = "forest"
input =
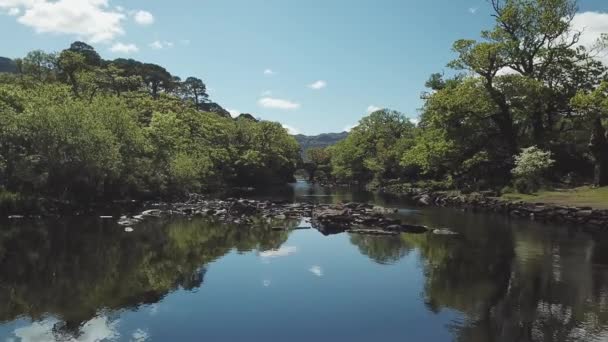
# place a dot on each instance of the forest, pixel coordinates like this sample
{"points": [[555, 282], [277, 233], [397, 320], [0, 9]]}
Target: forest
{"points": [[76, 127], [523, 107]]}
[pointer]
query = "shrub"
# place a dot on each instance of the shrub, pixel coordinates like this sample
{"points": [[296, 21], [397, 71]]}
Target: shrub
{"points": [[530, 165]]}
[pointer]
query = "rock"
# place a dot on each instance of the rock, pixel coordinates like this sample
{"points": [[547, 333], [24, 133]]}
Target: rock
{"points": [[383, 210], [407, 228], [128, 229], [125, 221], [425, 199], [106, 217], [444, 231], [372, 232], [152, 213]]}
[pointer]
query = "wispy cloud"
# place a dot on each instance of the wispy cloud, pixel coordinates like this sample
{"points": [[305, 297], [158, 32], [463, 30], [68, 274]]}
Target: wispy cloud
{"points": [[372, 108], [291, 130], [320, 84], [266, 93], [158, 45], [269, 72], [124, 48], [233, 112], [13, 12], [143, 17], [350, 127], [273, 103], [473, 10]]}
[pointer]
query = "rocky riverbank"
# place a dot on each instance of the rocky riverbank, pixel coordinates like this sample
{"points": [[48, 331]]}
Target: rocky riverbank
{"points": [[487, 201], [359, 218]]}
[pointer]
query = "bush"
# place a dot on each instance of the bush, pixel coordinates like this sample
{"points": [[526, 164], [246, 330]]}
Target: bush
{"points": [[526, 185], [530, 165]]}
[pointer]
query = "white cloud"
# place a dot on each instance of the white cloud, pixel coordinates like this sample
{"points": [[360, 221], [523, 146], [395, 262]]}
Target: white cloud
{"points": [[316, 270], [291, 130], [372, 109], [124, 48], [14, 11], [90, 20], [269, 72], [266, 283], [281, 252], [234, 112], [143, 17], [320, 84], [350, 127], [473, 10], [158, 45], [415, 121], [269, 102], [591, 25]]}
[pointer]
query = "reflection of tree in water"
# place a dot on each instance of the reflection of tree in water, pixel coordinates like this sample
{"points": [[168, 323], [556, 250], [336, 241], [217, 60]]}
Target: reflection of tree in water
{"points": [[72, 270], [381, 249], [523, 284]]}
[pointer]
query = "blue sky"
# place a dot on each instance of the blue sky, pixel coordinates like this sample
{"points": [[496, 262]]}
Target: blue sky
{"points": [[315, 66]]}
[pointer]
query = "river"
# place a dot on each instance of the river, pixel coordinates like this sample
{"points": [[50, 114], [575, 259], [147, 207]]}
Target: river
{"points": [[500, 279]]}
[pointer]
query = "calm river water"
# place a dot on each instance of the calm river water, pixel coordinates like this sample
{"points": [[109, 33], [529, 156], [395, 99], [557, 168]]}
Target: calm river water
{"points": [[501, 279]]}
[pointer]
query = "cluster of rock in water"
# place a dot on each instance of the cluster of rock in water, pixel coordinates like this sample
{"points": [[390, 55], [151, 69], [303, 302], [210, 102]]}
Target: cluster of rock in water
{"points": [[357, 218]]}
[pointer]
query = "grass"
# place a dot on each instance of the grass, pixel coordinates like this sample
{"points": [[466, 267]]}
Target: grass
{"points": [[578, 197]]}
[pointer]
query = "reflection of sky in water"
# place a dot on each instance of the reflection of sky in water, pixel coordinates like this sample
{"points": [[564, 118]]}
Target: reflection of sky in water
{"points": [[97, 329], [281, 252], [409, 287], [316, 270]]}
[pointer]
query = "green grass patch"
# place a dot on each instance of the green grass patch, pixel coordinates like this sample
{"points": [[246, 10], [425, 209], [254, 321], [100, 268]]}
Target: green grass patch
{"points": [[579, 197]]}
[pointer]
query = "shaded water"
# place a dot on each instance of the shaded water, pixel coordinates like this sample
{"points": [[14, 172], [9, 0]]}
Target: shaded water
{"points": [[85, 279]]}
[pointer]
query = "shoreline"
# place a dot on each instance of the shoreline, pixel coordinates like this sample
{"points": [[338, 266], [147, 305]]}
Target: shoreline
{"points": [[488, 202]]}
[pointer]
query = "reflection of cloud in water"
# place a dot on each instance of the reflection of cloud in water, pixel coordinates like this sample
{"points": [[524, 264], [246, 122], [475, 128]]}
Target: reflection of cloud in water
{"points": [[154, 309], [266, 282], [316, 270], [139, 336], [97, 329], [281, 252]]}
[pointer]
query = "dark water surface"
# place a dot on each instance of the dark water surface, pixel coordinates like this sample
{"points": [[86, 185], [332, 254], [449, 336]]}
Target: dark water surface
{"points": [[85, 279]]}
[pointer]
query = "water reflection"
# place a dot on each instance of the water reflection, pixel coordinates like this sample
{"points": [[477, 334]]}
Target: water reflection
{"points": [[499, 280], [71, 270]]}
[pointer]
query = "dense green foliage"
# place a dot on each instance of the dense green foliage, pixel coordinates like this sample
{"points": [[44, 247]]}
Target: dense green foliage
{"points": [[75, 126], [527, 82]]}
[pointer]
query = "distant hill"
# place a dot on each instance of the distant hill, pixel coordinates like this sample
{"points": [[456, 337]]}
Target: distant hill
{"points": [[321, 140], [7, 65]]}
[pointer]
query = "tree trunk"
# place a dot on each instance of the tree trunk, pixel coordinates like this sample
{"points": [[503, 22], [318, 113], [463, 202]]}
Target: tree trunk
{"points": [[598, 145]]}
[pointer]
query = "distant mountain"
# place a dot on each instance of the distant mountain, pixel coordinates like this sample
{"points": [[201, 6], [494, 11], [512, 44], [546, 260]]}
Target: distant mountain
{"points": [[7, 65], [321, 140]]}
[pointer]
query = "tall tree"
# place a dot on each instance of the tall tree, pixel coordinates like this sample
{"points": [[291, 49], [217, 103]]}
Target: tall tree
{"points": [[91, 57], [593, 108], [195, 89]]}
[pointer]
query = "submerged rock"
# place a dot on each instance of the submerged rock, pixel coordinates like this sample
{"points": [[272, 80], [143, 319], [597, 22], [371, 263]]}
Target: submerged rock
{"points": [[372, 232], [444, 231], [408, 228]]}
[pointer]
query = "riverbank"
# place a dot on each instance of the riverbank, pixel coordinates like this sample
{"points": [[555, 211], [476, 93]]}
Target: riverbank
{"points": [[588, 208]]}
